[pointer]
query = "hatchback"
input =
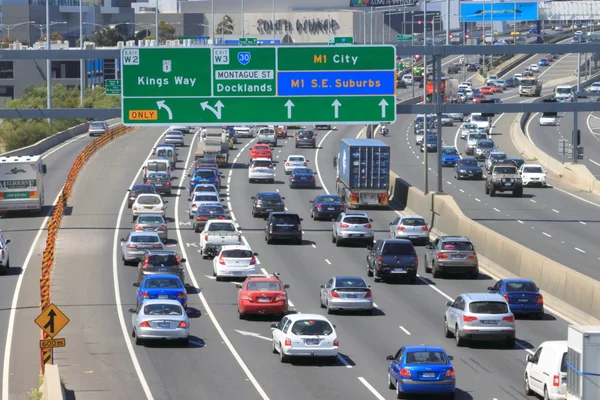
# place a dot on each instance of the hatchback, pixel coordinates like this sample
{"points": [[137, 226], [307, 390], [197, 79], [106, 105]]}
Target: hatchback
{"points": [[161, 262], [265, 203], [174, 137], [208, 212], [411, 227], [235, 262], [262, 295], [523, 296], [134, 246], [346, 293], [160, 319], [161, 182], [152, 223], [352, 227], [303, 177], [480, 317], [294, 161], [483, 147], [147, 203], [451, 255], [326, 206], [283, 226], [260, 151], [138, 189], [261, 169], [306, 138]]}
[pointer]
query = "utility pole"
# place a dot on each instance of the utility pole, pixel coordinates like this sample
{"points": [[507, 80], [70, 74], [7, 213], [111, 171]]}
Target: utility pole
{"points": [[574, 136], [48, 62], [439, 101]]}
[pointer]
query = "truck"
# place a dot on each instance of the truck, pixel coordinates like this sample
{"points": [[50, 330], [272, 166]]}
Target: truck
{"points": [[363, 173], [214, 144], [216, 234], [22, 183], [583, 362], [530, 86], [449, 90], [563, 93]]}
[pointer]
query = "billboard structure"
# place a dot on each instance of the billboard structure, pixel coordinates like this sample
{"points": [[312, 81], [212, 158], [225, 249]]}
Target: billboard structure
{"points": [[486, 12]]}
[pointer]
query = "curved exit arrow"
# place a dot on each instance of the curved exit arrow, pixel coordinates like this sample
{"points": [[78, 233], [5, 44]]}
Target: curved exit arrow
{"points": [[161, 104]]}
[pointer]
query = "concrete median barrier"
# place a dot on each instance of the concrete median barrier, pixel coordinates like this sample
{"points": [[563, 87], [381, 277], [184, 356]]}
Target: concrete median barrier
{"points": [[52, 388]]}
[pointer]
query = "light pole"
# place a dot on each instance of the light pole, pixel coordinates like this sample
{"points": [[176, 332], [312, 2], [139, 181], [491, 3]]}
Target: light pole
{"points": [[155, 23], [82, 70], [8, 27]]}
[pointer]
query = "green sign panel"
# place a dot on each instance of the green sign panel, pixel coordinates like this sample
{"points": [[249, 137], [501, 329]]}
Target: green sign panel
{"points": [[113, 86], [341, 41], [258, 85], [404, 38], [248, 41], [17, 195]]}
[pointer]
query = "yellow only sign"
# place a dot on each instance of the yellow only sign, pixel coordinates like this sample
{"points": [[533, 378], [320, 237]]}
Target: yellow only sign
{"points": [[143, 115], [52, 320]]}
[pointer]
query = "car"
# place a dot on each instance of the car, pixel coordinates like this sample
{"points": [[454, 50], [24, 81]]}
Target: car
{"points": [[206, 163], [294, 161], [549, 58], [533, 174], [306, 138], [181, 128], [161, 182], [594, 87], [483, 147], [457, 116], [156, 165], [352, 226], [548, 119], [465, 316], [392, 259], [511, 82], [161, 262], [478, 98], [493, 158], [450, 255], [261, 169], [149, 203], [98, 128], [543, 62], [235, 262], [554, 55], [533, 68], [411, 227], [517, 78], [421, 370], [447, 120], [265, 203], [346, 293], [152, 223], [208, 212], [203, 199], [175, 137], [558, 28], [305, 335], [432, 145], [323, 127], [243, 131], [468, 127], [262, 295], [4, 255], [281, 131], [267, 135], [496, 100], [517, 162], [501, 83], [522, 295], [138, 189], [162, 286], [504, 178], [160, 320], [167, 151], [468, 168], [134, 246], [206, 188], [303, 177], [204, 175], [450, 156], [546, 370], [495, 88], [260, 151], [486, 90], [472, 139], [326, 206], [400, 84], [283, 226]]}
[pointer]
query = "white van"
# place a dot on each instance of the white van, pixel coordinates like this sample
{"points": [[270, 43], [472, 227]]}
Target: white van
{"points": [[157, 165], [166, 151], [266, 135], [408, 79], [546, 371], [481, 121], [563, 93]]}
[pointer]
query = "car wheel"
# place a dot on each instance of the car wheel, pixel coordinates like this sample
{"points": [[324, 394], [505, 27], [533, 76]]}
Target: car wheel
{"points": [[268, 240], [132, 332], [510, 343], [332, 238], [539, 315], [399, 394], [273, 348], [412, 280], [528, 391], [329, 310], [474, 274], [138, 341], [427, 267], [447, 333], [241, 315], [338, 242], [218, 278], [369, 272], [390, 384], [436, 272], [375, 277], [185, 342], [492, 192], [460, 342], [282, 357], [546, 397]]}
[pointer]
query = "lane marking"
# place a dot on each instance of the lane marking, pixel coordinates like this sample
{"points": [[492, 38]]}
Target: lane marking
{"points": [[461, 190], [477, 199], [327, 261], [532, 200], [404, 330], [594, 162], [317, 161], [583, 223], [519, 221], [314, 246], [556, 211], [545, 234], [371, 388], [579, 250], [495, 209]]}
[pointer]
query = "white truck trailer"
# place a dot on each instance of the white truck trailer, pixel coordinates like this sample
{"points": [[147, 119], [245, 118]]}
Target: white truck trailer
{"points": [[583, 362], [21, 183]]}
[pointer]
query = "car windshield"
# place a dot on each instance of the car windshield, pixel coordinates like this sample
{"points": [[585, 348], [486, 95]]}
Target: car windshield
{"points": [[237, 253], [398, 248], [488, 307], [97, 125], [164, 153], [165, 260], [163, 177], [149, 200], [312, 327], [296, 159], [468, 163], [162, 283], [521, 287], [413, 222], [264, 286], [205, 188], [163, 309], [533, 170], [143, 189], [144, 239], [485, 144], [204, 174], [264, 163], [303, 171], [350, 283], [306, 135], [356, 220], [460, 246], [505, 170], [221, 226], [450, 152], [269, 196], [425, 357], [496, 157], [563, 90], [329, 199], [471, 126], [286, 219], [204, 197], [478, 117], [156, 166], [150, 219], [477, 136]]}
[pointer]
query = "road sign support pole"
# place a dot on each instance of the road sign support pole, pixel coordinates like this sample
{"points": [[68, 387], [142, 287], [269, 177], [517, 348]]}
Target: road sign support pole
{"points": [[371, 25], [575, 145], [439, 100]]}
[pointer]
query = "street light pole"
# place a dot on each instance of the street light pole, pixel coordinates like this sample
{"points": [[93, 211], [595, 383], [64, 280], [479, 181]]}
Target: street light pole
{"points": [[447, 22], [81, 61], [425, 158], [48, 62], [155, 23], [243, 21]]}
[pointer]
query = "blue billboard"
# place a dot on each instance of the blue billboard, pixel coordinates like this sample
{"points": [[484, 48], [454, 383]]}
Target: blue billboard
{"points": [[492, 11]]}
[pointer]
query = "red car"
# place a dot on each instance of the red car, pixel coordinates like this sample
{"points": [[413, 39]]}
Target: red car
{"points": [[496, 89], [281, 131], [260, 151], [262, 295], [486, 90], [549, 58], [478, 98]]}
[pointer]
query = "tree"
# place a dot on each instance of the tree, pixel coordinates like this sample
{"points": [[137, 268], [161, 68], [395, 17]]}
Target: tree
{"points": [[107, 37], [166, 31], [54, 37], [225, 27]]}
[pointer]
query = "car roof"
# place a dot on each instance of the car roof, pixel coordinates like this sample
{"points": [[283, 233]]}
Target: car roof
{"points": [[296, 317], [262, 159], [141, 185], [561, 345], [340, 277], [149, 194], [161, 252], [518, 280], [267, 192], [205, 185], [531, 165], [423, 348], [472, 297], [496, 152], [296, 155], [204, 170], [455, 238], [504, 164], [284, 213], [448, 147], [410, 216], [390, 240], [150, 215], [354, 213]]}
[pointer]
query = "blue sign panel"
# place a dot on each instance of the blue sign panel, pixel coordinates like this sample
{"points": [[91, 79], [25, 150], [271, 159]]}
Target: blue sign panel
{"points": [[487, 12], [343, 83]]}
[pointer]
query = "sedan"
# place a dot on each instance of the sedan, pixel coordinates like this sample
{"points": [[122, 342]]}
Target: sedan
{"points": [[206, 188], [134, 246], [162, 286], [523, 296], [326, 206], [160, 320], [468, 127], [303, 177], [450, 156], [138, 189], [468, 168], [235, 262], [206, 213], [174, 137], [486, 90], [266, 203], [411, 227], [543, 63], [346, 293], [152, 223], [421, 370], [262, 295], [147, 203], [98, 128], [164, 262], [432, 146], [261, 169], [533, 68], [161, 182], [294, 161], [200, 199], [501, 83], [478, 98], [495, 89], [447, 120]]}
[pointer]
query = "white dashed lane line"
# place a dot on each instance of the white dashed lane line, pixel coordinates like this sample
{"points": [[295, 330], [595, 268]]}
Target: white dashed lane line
{"points": [[579, 250], [519, 221], [327, 261], [476, 199], [556, 211], [495, 209], [404, 330], [545, 234]]}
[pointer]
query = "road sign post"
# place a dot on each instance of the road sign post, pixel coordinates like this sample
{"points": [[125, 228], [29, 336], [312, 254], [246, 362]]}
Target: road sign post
{"points": [[259, 85], [113, 86], [563, 145]]}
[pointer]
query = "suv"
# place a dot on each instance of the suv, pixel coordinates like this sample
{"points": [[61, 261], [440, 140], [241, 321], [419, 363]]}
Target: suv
{"points": [[504, 178], [283, 225], [4, 259], [392, 258], [494, 157], [161, 262], [451, 255], [306, 138], [352, 226]]}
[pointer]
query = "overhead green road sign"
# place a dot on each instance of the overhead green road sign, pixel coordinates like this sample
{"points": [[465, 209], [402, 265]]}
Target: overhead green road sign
{"points": [[239, 72], [404, 38], [352, 58], [248, 41], [341, 40], [112, 86]]}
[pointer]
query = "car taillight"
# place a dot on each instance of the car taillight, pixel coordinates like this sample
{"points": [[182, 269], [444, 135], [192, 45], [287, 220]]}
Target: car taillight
{"points": [[540, 298], [201, 219], [281, 297], [379, 259], [206, 238], [162, 208], [287, 164], [239, 238], [509, 319], [556, 380], [134, 208], [145, 295], [191, 181], [405, 373], [424, 229], [472, 256], [148, 183], [157, 246], [505, 295], [182, 324], [401, 228], [305, 163], [168, 183], [181, 295], [335, 294], [293, 176], [320, 208], [368, 226], [132, 246], [146, 263], [368, 295], [162, 228], [145, 324], [137, 228], [344, 225], [312, 178], [253, 260], [221, 260], [288, 341], [336, 343], [216, 181], [354, 197], [450, 373], [467, 318], [442, 255]]}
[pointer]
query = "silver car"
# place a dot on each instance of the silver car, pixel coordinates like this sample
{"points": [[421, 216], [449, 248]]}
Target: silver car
{"points": [[152, 223], [181, 128], [352, 227], [480, 316], [134, 246], [472, 139], [160, 319], [451, 255], [447, 120], [493, 158], [346, 293], [466, 128], [203, 199], [98, 128], [174, 137], [206, 188], [411, 227]]}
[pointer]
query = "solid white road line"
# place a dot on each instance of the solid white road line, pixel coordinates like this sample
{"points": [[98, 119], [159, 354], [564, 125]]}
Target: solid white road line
{"points": [[317, 162], [371, 388], [404, 330]]}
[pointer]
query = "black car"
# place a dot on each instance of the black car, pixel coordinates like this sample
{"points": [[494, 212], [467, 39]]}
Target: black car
{"points": [[207, 212], [161, 182], [400, 84], [391, 259], [468, 168], [283, 226], [454, 69], [138, 189], [517, 162], [161, 262], [266, 203], [306, 138], [432, 146], [327, 206], [473, 67]]}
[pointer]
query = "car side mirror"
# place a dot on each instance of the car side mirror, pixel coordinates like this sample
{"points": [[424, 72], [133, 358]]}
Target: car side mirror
{"points": [[449, 304], [286, 286], [132, 310], [136, 284], [391, 223], [301, 219], [429, 247], [122, 239], [253, 198], [529, 358], [490, 288], [129, 190], [273, 326], [183, 260], [316, 173], [224, 207], [239, 284], [7, 241], [44, 169], [189, 199], [390, 358], [283, 198], [165, 201]]}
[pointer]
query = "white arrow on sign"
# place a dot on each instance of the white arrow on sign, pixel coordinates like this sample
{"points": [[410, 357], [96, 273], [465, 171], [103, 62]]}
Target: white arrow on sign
{"points": [[185, 223], [161, 104], [215, 110], [256, 335], [191, 244], [336, 106], [383, 104], [289, 106]]}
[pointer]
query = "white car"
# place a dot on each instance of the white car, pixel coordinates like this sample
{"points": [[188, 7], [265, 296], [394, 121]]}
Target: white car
{"points": [[148, 203], [235, 262], [533, 174], [447, 120], [408, 79], [533, 68], [518, 77], [305, 335], [466, 83], [546, 371], [294, 161], [243, 131], [468, 127], [419, 137], [206, 188], [548, 119], [4, 258], [261, 169], [458, 116], [595, 88]]}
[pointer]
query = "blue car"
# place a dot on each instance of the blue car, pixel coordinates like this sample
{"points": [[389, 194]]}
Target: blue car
{"points": [[327, 206], [450, 156], [161, 286], [543, 63], [421, 370], [522, 295], [303, 177], [204, 175]]}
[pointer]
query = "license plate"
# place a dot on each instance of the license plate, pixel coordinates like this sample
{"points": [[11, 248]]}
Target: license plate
{"points": [[263, 300], [412, 237], [161, 269], [312, 341], [330, 209], [523, 300], [236, 273], [470, 172], [489, 322], [163, 325], [459, 256], [269, 209], [163, 296], [148, 207], [507, 184], [355, 235], [351, 296], [398, 270], [428, 375]]}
